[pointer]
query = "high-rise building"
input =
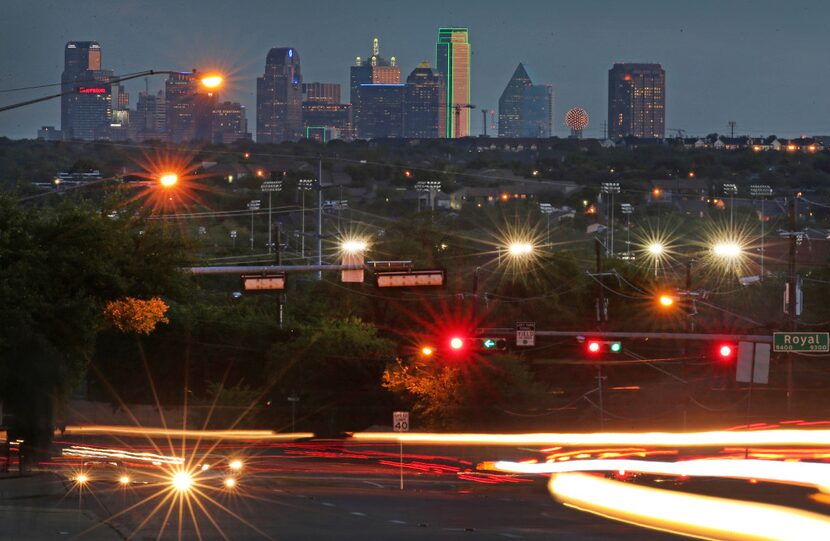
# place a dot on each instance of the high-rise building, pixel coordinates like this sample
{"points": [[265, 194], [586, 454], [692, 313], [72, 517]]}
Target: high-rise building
{"points": [[229, 123], [324, 117], [321, 93], [537, 112], [637, 101], [189, 108], [279, 97], [374, 70], [453, 62], [87, 110], [511, 101], [381, 107], [150, 118], [425, 108]]}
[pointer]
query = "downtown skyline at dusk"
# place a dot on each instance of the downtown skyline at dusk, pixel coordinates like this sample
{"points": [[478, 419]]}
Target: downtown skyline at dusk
{"points": [[743, 62]]}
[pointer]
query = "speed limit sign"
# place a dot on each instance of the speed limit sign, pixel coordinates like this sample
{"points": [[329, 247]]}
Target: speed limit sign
{"points": [[400, 421]]}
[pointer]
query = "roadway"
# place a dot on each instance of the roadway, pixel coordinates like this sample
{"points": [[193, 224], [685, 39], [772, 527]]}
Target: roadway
{"points": [[316, 490]]}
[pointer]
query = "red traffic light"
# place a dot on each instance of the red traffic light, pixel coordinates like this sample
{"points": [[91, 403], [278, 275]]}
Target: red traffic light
{"points": [[725, 351], [456, 343], [594, 346]]}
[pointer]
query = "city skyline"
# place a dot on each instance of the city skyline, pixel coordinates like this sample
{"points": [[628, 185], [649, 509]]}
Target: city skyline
{"points": [[745, 67]]}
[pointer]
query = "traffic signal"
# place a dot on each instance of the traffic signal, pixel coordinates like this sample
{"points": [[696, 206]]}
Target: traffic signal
{"points": [[726, 351], [491, 344], [456, 343], [595, 347]]}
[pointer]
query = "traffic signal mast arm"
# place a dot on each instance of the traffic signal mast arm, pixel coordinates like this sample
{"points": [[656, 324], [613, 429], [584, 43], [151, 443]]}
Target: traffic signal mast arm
{"points": [[603, 335]]}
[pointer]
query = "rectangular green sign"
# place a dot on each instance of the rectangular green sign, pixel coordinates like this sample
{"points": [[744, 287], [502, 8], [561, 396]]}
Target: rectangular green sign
{"points": [[817, 342]]}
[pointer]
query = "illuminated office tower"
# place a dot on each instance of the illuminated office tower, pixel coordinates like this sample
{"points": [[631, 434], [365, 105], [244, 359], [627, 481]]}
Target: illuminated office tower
{"points": [[279, 97], [424, 108], [87, 110], [637, 101], [511, 102], [374, 70], [537, 112], [453, 62]]}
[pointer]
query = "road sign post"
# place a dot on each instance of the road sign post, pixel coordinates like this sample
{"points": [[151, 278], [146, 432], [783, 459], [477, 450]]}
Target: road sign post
{"points": [[814, 342], [525, 333], [400, 423]]}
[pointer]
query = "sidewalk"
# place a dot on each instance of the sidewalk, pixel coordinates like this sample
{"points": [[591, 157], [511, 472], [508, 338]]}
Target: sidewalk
{"points": [[36, 507]]}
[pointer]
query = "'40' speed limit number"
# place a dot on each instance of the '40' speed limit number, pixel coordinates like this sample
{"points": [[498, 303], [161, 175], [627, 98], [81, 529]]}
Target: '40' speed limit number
{"points": [[400, 421]]}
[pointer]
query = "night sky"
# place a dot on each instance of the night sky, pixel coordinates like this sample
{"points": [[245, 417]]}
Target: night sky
{"points": [[764, 64]]}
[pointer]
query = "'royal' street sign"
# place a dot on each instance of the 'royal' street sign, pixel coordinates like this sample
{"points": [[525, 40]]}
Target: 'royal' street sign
{"points": [[816, 342]]}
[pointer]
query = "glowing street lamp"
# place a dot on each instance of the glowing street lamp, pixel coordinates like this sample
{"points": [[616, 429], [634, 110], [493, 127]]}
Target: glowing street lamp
{"points": [[124, 480], [212, 81], [426, 351], [235, 465], [727, 250], [666, 301], [168, 180], [82, 479], [229, 482], [656, 249], [353, 246], [519, 249]]}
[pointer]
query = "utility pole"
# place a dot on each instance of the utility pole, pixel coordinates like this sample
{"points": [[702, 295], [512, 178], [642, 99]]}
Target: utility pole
{"points": [[792, 282], [320, 216], [732, 125], [601, 312], [280, 295]]}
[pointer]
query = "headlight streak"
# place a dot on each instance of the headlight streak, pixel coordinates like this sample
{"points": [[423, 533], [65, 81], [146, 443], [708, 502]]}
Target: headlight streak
{"points": [[687, 514], [97, 452], [649, 439], [108, 430], [810, 474]]}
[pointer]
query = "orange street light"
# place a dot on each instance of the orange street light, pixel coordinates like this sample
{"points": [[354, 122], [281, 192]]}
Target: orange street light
{"points": [[169, 179], [666, 301], [426, 351], [212, 81]]}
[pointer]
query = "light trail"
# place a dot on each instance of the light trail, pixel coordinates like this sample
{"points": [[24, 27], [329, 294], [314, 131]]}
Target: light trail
{"points": [[648, 439], [705, 517], [794, 473], [97, 452], [116, 430]]}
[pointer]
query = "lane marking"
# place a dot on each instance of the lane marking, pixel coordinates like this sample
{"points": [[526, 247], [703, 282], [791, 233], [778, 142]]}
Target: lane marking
{"points": [[328, 504], [358, 514], [395, 521], [378, 485]]}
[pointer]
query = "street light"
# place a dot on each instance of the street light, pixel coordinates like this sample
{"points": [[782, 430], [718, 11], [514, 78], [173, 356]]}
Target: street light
{"points": [[727, 250], [666, 301], [519, 249], [210, 82], [169, 180], [353, 246]]}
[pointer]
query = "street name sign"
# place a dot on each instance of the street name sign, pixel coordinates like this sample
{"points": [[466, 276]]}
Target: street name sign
{"points": [[816, 342]]}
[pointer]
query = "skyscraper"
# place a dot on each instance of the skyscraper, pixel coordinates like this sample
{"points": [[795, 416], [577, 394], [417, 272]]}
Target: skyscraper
{"points": [[381, 111], [150, 117], [637, 101], [425, 108], [86, 112], [537, 111], [323, 114], [374, 70], [279, 97], [229, 123], [453, 62], [189, 108], [510, 103]]}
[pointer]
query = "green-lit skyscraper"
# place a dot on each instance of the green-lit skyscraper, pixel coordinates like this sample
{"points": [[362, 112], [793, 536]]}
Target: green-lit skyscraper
{"points": [[453, 62]]}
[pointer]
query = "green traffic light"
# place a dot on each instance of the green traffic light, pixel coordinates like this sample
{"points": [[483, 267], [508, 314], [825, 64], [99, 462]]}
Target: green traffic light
{"points": [[488, 343], [616, 347]]}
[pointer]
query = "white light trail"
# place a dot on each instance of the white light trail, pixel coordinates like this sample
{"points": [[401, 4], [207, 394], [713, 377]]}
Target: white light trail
{"points": [[687, 514]]}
